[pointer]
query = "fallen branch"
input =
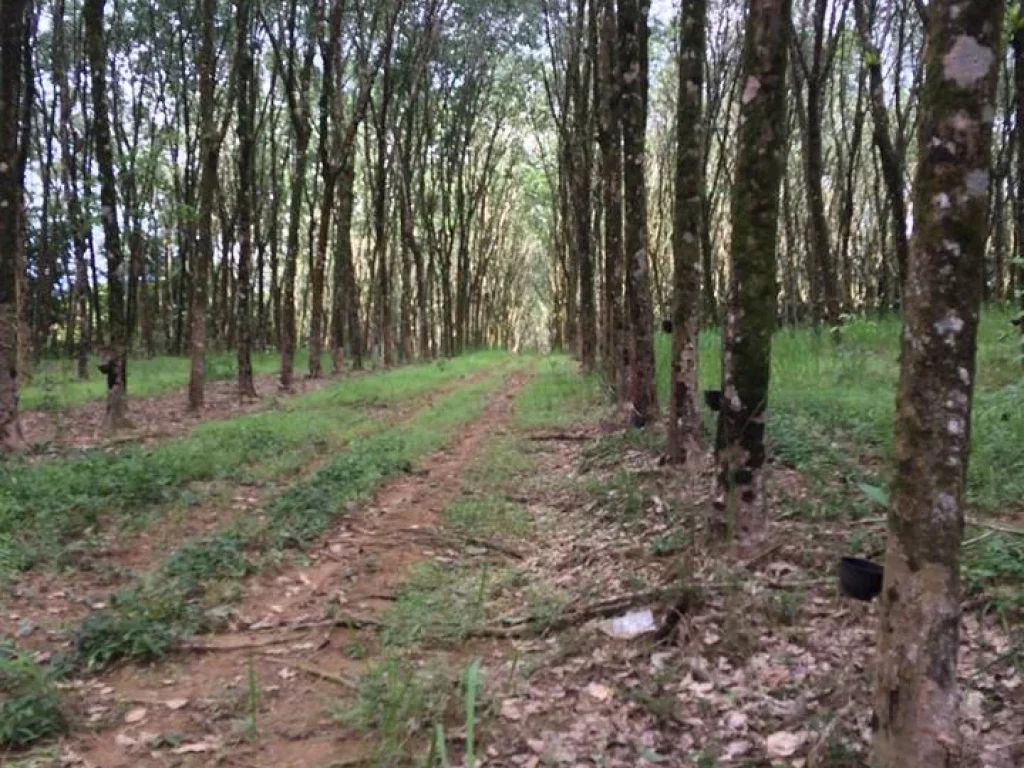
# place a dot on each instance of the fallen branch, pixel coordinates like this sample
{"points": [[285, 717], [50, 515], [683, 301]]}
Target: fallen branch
{"points": [[995, 526], [560, 437], [201, 647], [309, 669], [496, 546], [524, 627], [976, 522]]}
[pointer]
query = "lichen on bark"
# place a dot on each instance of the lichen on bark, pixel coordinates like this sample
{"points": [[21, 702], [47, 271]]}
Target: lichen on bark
{"points": [[915, 692], [684, 421]]}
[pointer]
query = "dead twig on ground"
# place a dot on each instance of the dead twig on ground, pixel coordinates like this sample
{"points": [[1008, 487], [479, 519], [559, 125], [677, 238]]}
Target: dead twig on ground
{"points": [[496, 546], [560, 437], [309, 669]]}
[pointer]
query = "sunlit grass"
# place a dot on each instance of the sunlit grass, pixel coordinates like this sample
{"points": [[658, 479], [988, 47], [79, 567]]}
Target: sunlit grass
{"points": [[831, 403], [46, 504], [54, 383]]}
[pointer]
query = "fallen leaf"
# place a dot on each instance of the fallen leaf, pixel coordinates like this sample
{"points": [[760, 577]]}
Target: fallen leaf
{"points": [[199, 746], [175, 704], [510, 710], [124, 740], [599, 692], [784, 743], [736, 720], [136, 715], [737, 748]]}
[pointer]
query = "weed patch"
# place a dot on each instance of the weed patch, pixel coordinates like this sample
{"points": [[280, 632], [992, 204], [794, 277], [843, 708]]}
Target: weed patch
{"points": [[558, 396], [30, 707], [144, 622], [46, 505]]}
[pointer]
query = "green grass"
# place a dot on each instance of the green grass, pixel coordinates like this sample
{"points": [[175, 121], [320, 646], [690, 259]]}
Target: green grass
{"points": [[398, 701], [45, 505], [54, 383], [30, 707], [183, 595], [558, 396], [831, 408]]}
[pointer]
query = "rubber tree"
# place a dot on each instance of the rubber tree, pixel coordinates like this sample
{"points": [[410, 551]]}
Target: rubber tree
{"points": [[207, 66], [115, 365], [245, 95], [915, 697], [609, 139], [752, 291], [1017, 42], [633, 41], [684, 420], [12, 38]]}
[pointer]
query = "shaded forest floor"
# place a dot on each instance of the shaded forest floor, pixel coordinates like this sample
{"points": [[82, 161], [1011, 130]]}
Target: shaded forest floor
{"points": [[433, 576]]}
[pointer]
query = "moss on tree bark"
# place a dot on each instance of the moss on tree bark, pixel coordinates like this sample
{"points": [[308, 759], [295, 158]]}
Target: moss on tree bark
{"points": [[915, 693]]}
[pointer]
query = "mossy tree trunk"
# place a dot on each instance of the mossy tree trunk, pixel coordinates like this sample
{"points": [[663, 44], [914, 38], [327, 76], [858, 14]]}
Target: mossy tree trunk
{"points": [[12, 38], [633, 40], [245, 89], [609, 137], [96, 48], [915, 692], [207, 65], [753, 292], [1018, 200], [684, 420]]}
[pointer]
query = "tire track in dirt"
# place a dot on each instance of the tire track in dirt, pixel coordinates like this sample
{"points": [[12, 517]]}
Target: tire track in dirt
{"points": [[286, 643], [42, 604]]}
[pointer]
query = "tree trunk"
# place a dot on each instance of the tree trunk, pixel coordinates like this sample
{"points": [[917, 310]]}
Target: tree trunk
{"points": [[684, 417], [70, 148], [341, 301], [750, 312], [245, 88], [116, 417], [12, 38], [609, 138], [385, 335], [892, 165], [821, 244], [633, 68], [299, 104], [207, 65], [329, 172], [916, 696], [583, 163], [1018, 201]]}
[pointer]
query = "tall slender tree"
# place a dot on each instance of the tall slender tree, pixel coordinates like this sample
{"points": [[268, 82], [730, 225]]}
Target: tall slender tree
{"points": [[916, 693], [633, 65], [12, 38], [207, 66], [609, 137], [330, 49], [752, 297], [684, 421], [116, 363], [245, 90]]}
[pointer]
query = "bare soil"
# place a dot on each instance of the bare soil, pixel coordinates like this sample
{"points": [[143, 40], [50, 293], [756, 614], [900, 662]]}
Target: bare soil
{"points": [[43, 604], [285, 643]]}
